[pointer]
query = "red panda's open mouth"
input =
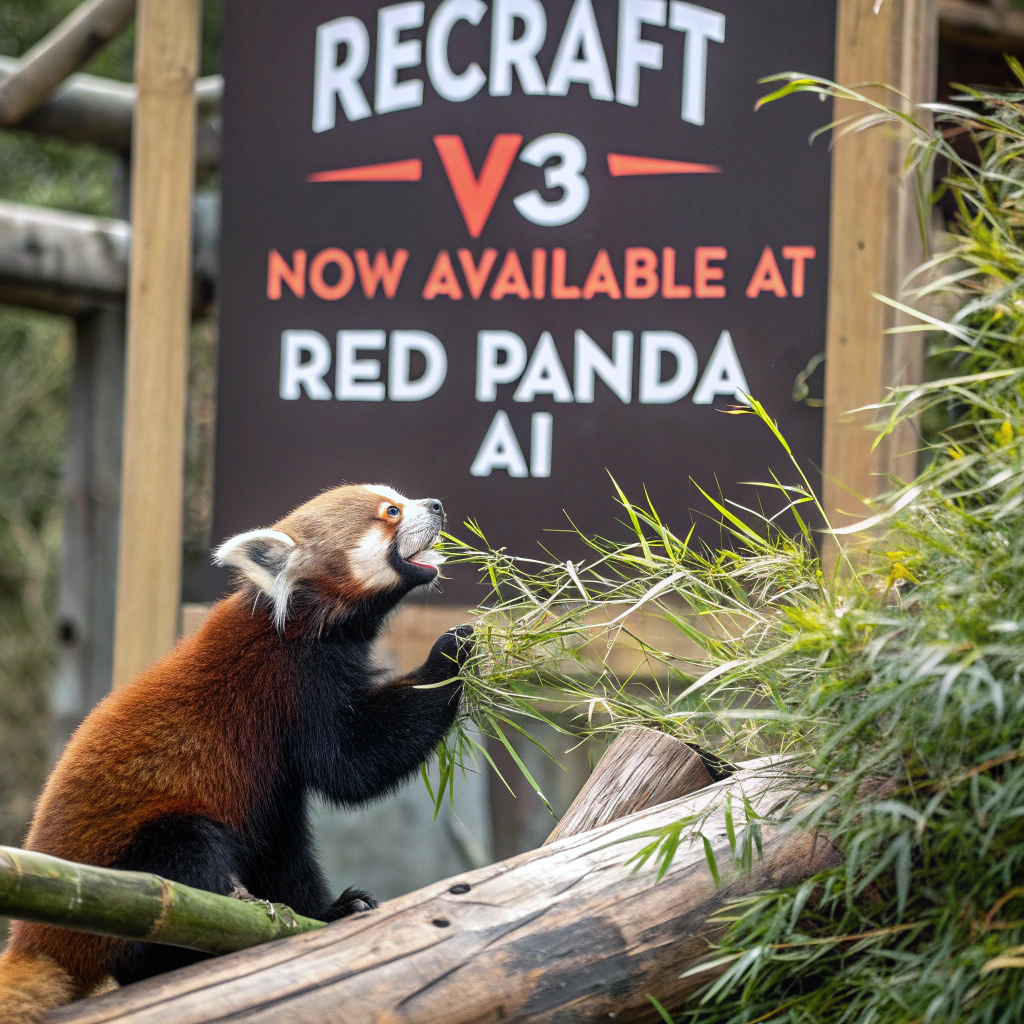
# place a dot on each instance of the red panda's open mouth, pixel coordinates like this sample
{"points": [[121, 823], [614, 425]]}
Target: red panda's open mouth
{"points": [[428, 559]]}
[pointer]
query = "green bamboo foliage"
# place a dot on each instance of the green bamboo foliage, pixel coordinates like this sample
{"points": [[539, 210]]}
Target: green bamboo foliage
{"points": [[135, 905], [895, 682]]}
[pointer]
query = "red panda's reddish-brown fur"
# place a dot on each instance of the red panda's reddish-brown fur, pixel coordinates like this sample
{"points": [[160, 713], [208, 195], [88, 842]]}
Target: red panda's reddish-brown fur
{"points": [[228, 730], [118, 762]]}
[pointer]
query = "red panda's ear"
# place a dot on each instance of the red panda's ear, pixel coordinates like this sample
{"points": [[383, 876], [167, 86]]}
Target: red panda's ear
{"points": [[262, 558]]}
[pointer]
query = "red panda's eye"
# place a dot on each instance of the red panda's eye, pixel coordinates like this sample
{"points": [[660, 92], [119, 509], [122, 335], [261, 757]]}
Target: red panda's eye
{"points": [[393, 511]]}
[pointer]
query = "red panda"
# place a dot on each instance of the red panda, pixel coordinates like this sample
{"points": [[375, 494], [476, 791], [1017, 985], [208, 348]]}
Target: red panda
{"points": [[199, 769]]}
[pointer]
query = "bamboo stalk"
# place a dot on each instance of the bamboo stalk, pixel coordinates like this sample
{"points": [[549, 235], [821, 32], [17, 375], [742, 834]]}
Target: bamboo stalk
{"points": [[135, 905]]}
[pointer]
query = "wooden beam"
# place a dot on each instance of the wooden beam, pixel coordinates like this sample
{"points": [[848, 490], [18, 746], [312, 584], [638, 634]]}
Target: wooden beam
{"points": [[67, 252], [99, 111], [72, 263], [985, 26], [88, 28], [149, 563], [875, 244], [567, 932]]}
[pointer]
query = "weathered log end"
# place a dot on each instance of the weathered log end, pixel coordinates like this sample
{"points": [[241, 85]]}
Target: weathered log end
{"points": [[641, 769]]}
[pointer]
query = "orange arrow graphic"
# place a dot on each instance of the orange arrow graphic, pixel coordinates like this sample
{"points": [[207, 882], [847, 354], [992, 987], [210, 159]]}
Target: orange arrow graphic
{"points": [[397, 170], [622, 166]]}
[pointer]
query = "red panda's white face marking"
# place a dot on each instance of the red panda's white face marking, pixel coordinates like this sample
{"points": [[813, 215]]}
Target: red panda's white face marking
{"points": [[345, 546]]}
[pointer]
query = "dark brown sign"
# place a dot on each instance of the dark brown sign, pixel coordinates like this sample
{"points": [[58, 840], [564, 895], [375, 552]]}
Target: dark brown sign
{"points": [[490, 252]]}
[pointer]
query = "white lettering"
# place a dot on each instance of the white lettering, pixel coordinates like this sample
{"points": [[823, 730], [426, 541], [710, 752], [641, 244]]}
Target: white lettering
{"points": [[540, 444], [634, 52], [700, 25], [545, 375], [591, 361], [500, 450], [358, 380], [507, 52], [403, 343], [581, 33], [723, 375], [448, 85], [567, 175], [654, 390], [393, 56], [331, 79], [489, 372], [296, 374]]}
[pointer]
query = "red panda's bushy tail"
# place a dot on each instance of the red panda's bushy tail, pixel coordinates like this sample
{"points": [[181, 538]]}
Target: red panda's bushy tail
{"points": [[31, 984]]}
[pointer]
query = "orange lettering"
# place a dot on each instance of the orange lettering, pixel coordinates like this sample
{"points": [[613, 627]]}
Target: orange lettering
{"points": [[442, 279], [379, 272], [476, 196], [799, 254], [669, 288], [766, 277], [559, 289], [601, 279], [476, 277], [346, 274], [539, 269], [294, 276], [704, 273], [641, 277], [510, 280]]}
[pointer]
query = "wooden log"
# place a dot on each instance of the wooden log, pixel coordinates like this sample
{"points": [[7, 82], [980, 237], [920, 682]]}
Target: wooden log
{"points": [[89, 27], [70, 263], [100, 111], [567, 932], [641, 769], [69, 252], [137, 905]]}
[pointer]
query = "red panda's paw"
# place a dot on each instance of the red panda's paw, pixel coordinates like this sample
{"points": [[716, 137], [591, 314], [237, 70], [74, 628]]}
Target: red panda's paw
{"points": [[351, 901], [451, 651]]}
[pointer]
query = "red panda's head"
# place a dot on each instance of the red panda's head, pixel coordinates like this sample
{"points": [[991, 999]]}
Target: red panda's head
{"points": [[344, 549]]}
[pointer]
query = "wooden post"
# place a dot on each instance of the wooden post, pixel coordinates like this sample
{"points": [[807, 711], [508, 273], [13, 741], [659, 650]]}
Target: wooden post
{"points": [[149, 564], [875, 244], [92, 486], [88, 566]]}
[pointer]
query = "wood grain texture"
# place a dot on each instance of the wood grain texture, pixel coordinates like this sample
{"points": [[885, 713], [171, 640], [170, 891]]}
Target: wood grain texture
{"points": [[875, 243], [84, 31], [565, 933], [641, 769], [149, 563]]}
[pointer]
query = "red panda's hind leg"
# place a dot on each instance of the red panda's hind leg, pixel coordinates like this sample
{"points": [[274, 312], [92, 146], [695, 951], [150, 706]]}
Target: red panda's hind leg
{"points": [[190, 849]]}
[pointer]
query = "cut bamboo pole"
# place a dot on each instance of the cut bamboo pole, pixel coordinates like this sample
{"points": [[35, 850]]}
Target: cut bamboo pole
{"points": [[136, 905], [62, 51], [567, 932], [641, 769], [149, 563]]}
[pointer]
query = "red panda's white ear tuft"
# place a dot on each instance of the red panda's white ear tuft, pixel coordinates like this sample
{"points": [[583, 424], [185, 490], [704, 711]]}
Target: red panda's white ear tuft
{"points": [[262, 557]]}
